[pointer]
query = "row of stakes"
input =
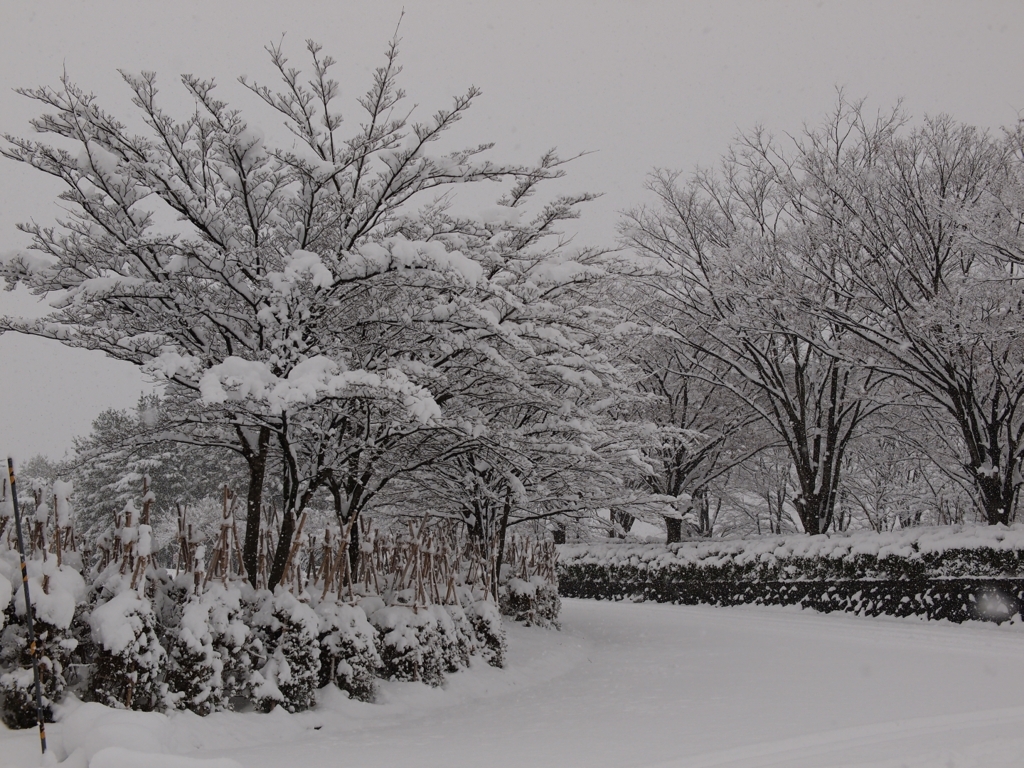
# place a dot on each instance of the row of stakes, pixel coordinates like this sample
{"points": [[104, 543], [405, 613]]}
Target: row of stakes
{"points": [[421, 566]]}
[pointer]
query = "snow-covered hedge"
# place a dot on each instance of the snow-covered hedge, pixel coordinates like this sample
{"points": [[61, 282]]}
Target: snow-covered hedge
{"points": [[202, 651], [950, 572], [533, 602], [117, 628]]}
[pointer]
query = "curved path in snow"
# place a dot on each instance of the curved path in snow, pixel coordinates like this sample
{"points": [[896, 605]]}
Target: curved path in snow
{"points": [[681, 687]]}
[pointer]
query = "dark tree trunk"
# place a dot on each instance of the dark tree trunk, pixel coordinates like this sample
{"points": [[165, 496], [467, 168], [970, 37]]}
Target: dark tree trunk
{"points": [[256, 458], [346, 507], [994, 502], [353, 547], [808, 513], [559, 534], [284, 544], [674, 530], [476, 530], [502, 532], [815, 512]]}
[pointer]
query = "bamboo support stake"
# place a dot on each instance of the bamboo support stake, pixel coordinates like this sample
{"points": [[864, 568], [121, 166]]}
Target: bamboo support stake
{"points": [[348, 575], [238, 549], [33, 649], [294, 548], [261, 570], [311, 543], [326, 564]]}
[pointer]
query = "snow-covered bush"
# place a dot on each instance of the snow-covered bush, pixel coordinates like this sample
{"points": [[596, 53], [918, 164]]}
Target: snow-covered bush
{"points": [[17, 685], [194, 666], [451, 647], [348, 650], [946, 551], [287, 630], [465, 642], [170, 594], [128, 669], [528, 582], [486, 620], [412, 646], [17, 688], [533, 602], [55, 590], [229, 634]]}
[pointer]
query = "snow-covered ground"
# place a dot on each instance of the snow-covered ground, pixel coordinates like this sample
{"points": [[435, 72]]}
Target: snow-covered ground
{"points": [[625, 685]]}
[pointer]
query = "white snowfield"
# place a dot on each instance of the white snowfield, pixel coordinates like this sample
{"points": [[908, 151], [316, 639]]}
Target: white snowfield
{"points": [[628, 685]]}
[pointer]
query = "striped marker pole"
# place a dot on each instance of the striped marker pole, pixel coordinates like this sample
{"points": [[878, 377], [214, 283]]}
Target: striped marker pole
{"points": [[33, 651]]}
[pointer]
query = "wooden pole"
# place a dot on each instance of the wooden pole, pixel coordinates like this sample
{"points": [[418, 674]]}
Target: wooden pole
{"points": [[32, 649]]}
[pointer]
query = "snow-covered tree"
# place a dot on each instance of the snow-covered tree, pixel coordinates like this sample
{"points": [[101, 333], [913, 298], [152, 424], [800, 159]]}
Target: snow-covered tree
{"points": [[254, 300], [697, 429], [734, 257], [759, 493], [129, 659], [126, 448], [928, 289]]}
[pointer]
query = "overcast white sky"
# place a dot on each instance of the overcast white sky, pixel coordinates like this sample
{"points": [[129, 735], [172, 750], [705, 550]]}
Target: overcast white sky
{"points": [[642, 84]]}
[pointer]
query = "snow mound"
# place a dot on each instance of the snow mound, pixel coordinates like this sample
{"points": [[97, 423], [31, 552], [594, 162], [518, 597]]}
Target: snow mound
{"points": [[117, 757], [89, 729]]}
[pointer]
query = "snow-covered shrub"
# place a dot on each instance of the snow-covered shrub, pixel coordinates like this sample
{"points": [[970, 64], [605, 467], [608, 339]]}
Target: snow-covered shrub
{"points": [[55, 591], [348, 651], [229, 634], [17, 688], [129, 658], [204, 636], [412, 647], [170, 593], [534, 602], [257, 613], [448, 638], [288, 633], [17, 684], [486, 620], [193, 665], [84, 652], [466, 643]]}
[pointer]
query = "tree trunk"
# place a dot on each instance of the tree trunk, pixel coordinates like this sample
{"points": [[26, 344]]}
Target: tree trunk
{"points": [[992, 492], [502, 532], [815, 512], [674, 530], [257, 461], [559, 534], [476, 530], [284, 544], [353, 547]]}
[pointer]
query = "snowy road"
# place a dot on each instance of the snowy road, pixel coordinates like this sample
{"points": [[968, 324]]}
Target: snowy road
{"points": [[657, 686]]}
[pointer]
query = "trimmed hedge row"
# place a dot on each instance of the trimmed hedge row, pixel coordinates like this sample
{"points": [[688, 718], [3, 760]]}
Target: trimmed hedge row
{"points": [[951, 574], [955, 599], [759, 561]]}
